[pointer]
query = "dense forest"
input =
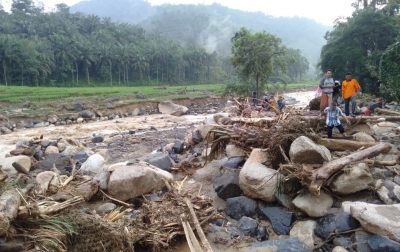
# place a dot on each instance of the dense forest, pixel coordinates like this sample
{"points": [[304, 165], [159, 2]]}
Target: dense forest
{"points": [[61, 48], [366, 45]]}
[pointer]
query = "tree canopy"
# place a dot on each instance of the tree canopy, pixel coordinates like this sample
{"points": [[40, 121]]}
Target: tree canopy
{"points": [[256, 56], [357, 44]]}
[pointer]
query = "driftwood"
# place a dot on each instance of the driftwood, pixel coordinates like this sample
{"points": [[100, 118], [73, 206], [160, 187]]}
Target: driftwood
{"points": [[342, 145], [191, 239], [200, 232], [254, 121], [318, 177], [379, 111], [383, 163], [10, 201]]}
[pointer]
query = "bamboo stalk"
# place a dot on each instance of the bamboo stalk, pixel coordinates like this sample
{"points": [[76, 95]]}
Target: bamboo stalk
{"points": [[200, 232], [60, 206], [191, 239]]}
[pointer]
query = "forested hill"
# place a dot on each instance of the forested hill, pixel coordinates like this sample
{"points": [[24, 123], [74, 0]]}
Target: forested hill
{"points": [[210, 26]]}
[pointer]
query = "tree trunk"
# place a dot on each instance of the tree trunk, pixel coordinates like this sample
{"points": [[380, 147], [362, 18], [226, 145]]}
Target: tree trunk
{"points": [[111, 73], [379, 111], [87, 74], [5, 71], [257, 77], [77, 74], [342, 145], [119, 75], [321, 175]]}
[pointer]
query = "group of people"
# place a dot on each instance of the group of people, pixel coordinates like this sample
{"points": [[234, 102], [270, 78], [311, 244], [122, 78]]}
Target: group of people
{"points": [[269, 101], [331, 90]]}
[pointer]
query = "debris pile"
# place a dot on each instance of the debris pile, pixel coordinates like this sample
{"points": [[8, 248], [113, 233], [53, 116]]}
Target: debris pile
{"points": [[237, 181]]}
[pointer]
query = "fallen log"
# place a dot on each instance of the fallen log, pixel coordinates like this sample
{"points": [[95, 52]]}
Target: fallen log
{"points": [[321, 175], [379, 111], [382, 163], [254, 121], [343, 145], [10, 201]]}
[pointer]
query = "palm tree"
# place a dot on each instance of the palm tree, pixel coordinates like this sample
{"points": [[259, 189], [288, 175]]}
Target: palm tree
{"points": [[10, 51], [87, 55]]}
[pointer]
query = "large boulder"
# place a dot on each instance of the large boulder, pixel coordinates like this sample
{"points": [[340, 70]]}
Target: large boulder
{"points": [[256, 180], [383, 128], [388, 191], [304, 230], [314, 206], [363, 137], [304, 151], [379, 219], [6, 164], [170, 108], [380, 243], [354, 179], [128, 182], [93, 164]]}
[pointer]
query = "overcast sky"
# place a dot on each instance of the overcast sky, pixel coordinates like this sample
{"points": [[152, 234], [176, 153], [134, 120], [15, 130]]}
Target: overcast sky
{"points": [[323, 11]]}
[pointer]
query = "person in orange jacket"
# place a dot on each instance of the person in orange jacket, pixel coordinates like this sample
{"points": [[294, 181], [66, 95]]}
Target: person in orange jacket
{"points": [[350, 87]]}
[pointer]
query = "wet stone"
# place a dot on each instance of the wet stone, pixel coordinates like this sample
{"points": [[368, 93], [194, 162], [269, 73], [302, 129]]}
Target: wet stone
{"points": [[45, 143], [248, 226], [241, 206], [97, 139], [286, 245], [361, 241], [345, 222], [38, 155], [325, 226], [379, 243], [226, 184], [178, 147], [343, 242], [280, 220], [234, 162]]}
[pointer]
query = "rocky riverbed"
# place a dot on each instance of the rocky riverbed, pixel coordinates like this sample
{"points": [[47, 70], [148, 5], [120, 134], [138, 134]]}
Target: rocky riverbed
{"points": [[136, 160]]}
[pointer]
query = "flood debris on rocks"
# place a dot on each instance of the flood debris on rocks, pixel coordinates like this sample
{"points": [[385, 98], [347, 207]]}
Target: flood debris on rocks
{"points": [[243, 180]]}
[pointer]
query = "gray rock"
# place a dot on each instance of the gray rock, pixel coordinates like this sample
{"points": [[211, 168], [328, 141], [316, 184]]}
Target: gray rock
{"points": [[51, 149], [196, 136], [345, 222], [226, 184], [80, 157], [234, 162], [78, 106], [280, 220], [45, 143], [160, 160], [110, 105], [141, 96], [355, 179], [178, 147], [105, 208], [169, 108], [325, 226], [379, 243], [314, 206], [379, 219], [262, 233], [103, 176], [285, 200], [87, 114], [304, 151], [97, 139], [343, 242], [6, 164], [304, 230], [241, 206], [137, 180], [60, 161], [93, 164], [248, 226], [286, 245], [80, 120], [361, 241], [256, 180], [388, 191], [38, 155]]}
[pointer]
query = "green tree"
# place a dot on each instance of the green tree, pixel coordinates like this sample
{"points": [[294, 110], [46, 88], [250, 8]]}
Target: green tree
{"points": [[257, 55], [10, 52]]}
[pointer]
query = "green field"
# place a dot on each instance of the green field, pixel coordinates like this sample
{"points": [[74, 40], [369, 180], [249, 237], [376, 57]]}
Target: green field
{"points": [[15, 94]]}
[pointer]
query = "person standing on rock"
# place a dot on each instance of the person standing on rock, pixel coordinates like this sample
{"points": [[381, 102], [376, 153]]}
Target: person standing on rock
{"points": [[326, 84], [350, 87], [332, 119]]}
